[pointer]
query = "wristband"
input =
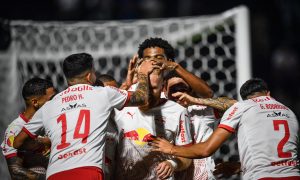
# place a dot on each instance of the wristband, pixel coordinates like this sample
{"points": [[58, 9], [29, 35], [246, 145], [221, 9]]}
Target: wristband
{"points": [[173, 163]]}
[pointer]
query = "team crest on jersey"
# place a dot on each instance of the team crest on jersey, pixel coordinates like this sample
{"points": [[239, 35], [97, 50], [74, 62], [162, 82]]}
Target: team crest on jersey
{"points": [[278, 114], [72, 106], [10, 140], [140, 136]]}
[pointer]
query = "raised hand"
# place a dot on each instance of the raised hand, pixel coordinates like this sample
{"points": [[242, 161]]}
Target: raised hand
{"points": [[184, 99], [130, 73]]}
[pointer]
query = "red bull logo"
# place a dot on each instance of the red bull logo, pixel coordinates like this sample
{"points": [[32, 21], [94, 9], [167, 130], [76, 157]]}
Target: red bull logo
{"points": [[140, 136], [10, 141]]}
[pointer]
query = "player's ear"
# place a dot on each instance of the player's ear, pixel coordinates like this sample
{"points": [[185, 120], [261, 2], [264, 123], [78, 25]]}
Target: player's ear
{"points": [[268, 93], [91, 77], [35, 103]]}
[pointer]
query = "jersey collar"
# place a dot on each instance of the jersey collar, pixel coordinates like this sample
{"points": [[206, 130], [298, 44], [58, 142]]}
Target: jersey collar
{"points": [[24, 118]]}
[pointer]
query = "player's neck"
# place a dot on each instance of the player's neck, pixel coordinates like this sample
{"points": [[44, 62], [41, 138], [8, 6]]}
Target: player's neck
{"points": [[258, 94], [29, 112]]}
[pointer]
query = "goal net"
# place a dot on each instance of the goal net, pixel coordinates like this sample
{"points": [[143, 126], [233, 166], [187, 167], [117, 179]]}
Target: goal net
{"points": [[214, 47]]}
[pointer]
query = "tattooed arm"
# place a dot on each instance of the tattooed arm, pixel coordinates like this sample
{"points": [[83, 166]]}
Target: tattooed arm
{"points": [[18, 172], [141, 95], [220, 103]]}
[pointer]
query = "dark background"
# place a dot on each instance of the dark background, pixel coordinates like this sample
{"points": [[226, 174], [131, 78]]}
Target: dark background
{"points": [[275, 25]]}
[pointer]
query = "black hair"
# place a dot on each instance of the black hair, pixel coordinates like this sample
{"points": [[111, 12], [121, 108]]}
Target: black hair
{"points": [[252, 86], [170, 75], [105, 78], [76, 64], [157, 42], [35, 87]]}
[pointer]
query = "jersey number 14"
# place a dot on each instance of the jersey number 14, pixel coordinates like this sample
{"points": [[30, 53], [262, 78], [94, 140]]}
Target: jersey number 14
{"points": [[83, 119]]}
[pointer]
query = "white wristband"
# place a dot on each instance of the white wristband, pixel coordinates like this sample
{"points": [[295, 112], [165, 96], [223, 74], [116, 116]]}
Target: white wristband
{"points": [[173, 163]]}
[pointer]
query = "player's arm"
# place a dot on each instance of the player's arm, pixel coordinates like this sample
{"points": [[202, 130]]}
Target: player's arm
{"points": [[141, 95], [20, 139], [199, 86], [199, 150], [219, 103], [18, 172]]}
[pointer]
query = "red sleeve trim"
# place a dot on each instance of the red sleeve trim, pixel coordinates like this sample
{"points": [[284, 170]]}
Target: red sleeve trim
{"points": [[127, 100], [11, 155], [228, 128], [29, 133]]}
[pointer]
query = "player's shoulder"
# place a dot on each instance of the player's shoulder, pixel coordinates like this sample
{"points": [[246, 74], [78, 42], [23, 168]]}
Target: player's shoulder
{"points": [[19, 121]]}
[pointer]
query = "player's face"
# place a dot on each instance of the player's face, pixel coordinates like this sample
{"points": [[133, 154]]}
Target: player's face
{"points": [[50, 92], [154, 53], [176, 84], [156, 83]]}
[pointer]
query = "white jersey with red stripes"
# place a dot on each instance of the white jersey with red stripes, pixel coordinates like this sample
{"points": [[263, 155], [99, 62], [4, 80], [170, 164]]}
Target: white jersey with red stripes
{"points": [[13, 130], [75, 121], [268, 136], [135, 159], [202, 126]]}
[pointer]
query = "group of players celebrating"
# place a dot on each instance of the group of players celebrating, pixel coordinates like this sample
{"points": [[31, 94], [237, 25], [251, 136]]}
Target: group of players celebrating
{"points": [[159, 124]]}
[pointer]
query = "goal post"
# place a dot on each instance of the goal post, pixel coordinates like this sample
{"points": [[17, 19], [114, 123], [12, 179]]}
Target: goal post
{"points": [[213, 47]]}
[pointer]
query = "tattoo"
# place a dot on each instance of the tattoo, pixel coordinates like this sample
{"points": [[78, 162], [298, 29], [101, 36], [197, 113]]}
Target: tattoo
{"points": [[141, 95], [220, 103], [18, 172]]}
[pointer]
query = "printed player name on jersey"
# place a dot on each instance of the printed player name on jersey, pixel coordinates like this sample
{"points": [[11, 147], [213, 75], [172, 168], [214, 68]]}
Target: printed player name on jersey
{"points": [[78, 88], [72, 153], [71, 98], [273, 106]]}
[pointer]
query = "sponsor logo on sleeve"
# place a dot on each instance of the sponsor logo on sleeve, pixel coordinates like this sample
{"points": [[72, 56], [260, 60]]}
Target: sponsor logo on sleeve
{"points": [[182, 131], [230, 115]]}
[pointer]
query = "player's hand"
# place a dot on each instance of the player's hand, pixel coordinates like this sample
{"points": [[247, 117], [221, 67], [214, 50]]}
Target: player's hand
{"points": [[148, 66], [169, 65], [184, 99], [130, 73], [164, 170], [161, 145], [227, 169]]}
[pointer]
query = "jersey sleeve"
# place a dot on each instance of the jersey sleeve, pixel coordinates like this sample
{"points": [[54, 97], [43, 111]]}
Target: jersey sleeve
{"points": [[184, 137], [231, 118], [7, 145], [35, 124], [117, 97]]}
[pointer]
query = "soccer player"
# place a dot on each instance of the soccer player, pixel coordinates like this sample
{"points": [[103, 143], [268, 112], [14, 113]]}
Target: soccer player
{"points": [[76, 119], [267, 131], [164, 53], [22, 163], [161, 117], [112, 135], [202, 121], [107, 80]]}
